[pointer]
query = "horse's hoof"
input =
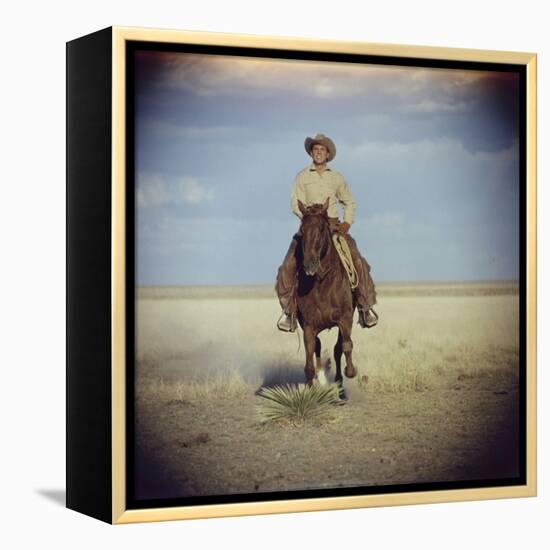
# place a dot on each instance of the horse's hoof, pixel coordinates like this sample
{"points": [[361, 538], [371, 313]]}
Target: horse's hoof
{"points": [[342, 396], [350, 372], [321, 378]]}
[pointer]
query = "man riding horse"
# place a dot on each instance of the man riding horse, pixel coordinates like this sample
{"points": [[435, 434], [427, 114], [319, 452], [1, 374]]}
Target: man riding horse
{"points": [[314, 185]]}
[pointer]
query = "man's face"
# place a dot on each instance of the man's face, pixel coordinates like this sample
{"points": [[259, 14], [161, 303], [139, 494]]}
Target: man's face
{"points": [[319, 154]]}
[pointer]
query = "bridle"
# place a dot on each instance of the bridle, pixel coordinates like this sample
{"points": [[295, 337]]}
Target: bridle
{"points": [[325, 264]]}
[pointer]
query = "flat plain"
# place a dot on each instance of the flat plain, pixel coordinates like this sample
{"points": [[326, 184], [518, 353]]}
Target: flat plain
{"points": [[441, 403]]}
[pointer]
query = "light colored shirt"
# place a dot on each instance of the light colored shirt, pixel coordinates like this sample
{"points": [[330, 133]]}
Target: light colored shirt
{"points": [[312, 187]]}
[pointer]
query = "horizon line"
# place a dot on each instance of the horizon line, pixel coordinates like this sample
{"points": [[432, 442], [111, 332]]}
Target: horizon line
{"points": [[388, 282]]}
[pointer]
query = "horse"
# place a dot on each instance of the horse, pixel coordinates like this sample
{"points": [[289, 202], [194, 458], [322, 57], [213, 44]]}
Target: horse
{"points": [[324, 297]]}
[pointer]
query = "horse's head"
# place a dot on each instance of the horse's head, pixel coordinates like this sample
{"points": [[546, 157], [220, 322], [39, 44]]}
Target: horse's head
{"points": [[315, 235]]}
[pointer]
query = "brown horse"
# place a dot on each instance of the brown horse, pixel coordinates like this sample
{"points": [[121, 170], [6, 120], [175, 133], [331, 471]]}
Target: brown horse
{"points": [[324, 296]]}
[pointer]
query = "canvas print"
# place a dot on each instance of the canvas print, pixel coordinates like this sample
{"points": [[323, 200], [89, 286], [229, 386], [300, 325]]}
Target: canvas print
{"points": [[327, 276]]}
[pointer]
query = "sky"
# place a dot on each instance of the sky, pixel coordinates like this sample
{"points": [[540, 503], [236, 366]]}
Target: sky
{"points": [[431, 157]]}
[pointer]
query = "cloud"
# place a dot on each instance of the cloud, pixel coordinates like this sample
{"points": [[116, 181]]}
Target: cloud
{"points": [[217, 75], [193, 192], [151, 190], [207, 97], [155, 190], [431, 106], [433, 159], [188, 231], [167, 129]]}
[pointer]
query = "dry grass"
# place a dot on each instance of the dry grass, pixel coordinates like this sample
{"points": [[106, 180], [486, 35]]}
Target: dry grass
{"points": [[179, 390], [441, 402], [201, 347]]}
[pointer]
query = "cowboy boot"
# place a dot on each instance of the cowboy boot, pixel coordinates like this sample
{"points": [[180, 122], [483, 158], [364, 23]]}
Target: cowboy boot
{"points": [[286, 289], [364, 292]]}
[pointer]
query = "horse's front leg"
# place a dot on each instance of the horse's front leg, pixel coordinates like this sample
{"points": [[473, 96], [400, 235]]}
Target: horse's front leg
{"points": [[338, 362], [309, 343], [347, 347], [319, 369]]}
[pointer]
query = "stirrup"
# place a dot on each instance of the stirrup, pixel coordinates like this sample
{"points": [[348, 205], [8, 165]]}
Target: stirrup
{"points": [[368, 318], [286, 323]]}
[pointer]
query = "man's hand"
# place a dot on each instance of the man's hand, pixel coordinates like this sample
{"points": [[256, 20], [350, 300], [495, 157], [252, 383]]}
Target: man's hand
{"points": [[343, 227]]}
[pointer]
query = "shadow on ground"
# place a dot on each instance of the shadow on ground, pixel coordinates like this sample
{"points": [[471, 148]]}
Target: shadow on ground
{"points": [[57, 496], [281, 375]]}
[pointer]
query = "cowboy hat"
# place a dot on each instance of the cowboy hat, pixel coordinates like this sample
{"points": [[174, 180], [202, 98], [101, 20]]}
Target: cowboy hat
{"points": [[321, 139]]}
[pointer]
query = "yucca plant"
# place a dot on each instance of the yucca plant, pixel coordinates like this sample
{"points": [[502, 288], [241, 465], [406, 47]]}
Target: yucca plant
{"points": [[297, 404]]}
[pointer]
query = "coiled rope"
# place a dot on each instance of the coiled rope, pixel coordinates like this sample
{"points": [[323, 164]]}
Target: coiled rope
{"points": [[344, 252]]}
